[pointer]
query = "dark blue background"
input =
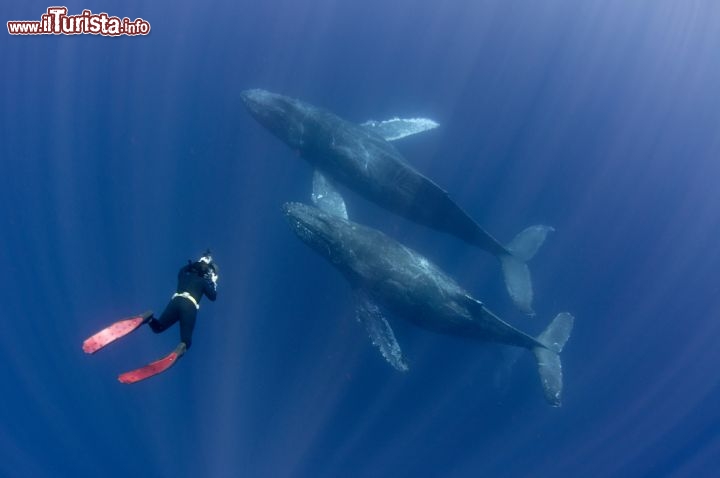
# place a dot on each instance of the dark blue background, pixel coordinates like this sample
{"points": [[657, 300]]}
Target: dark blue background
{"points": [[120, 158]]}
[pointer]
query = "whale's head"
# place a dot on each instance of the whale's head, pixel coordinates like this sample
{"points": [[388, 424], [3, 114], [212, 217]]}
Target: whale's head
{"points": [[285, 117], [320, 230]]}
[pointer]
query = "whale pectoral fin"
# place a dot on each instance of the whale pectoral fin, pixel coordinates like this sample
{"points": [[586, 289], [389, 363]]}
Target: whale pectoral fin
{"points": [[380, 332], [326, 197], [397, 128]]}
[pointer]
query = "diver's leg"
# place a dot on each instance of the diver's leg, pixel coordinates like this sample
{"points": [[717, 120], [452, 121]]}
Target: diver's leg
{"points": [[169, 316], [187, 324]]}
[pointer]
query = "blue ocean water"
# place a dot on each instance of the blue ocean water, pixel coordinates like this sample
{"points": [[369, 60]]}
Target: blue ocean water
{"points": [[124, 157]]}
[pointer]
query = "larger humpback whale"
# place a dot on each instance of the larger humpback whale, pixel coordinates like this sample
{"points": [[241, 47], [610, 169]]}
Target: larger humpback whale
{"points": [[386, 274], [360, 157]]}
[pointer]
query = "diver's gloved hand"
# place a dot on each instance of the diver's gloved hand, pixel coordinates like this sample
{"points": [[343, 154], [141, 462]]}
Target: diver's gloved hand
{"points": [[212, 276]]}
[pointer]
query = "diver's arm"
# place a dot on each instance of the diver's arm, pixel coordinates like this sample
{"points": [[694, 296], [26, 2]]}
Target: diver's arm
{"points": [[210, 287]]}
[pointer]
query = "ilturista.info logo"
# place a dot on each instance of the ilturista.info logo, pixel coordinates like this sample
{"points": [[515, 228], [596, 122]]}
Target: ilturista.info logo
{"points": [[57, 22]]}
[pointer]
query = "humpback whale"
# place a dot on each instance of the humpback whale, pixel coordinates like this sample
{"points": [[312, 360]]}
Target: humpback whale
{"points": [[386, 275], [361, 157]]}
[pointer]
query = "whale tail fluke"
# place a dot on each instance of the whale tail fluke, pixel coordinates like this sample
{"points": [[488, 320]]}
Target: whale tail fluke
{"points": [[553, 340], [515, 270]]}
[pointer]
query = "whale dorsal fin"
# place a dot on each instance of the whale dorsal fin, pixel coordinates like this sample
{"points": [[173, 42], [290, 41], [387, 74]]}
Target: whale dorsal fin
{"points": [[379, 330], [397, 128], [326, 197]]}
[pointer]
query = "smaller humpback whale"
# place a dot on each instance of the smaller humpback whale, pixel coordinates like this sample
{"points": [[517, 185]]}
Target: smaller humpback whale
{"points": [[385, 274], [360, 157]]}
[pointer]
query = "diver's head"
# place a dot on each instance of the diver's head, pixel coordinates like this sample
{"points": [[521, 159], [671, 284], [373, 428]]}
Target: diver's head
{"points": [[207, 266], [206, 258], [285, 117]]}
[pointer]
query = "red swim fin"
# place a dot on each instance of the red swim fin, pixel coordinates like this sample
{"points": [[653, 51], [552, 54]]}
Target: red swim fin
{"points": [[154, 368], [113, 332]]}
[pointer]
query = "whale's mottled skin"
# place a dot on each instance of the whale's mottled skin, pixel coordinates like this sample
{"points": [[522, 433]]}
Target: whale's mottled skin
{"points": [[362, 160], [366, 163], [407, 285]]}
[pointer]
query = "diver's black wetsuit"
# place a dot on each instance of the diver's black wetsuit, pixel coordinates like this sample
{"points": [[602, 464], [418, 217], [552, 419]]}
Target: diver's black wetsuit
{"points": [[193, 279]]}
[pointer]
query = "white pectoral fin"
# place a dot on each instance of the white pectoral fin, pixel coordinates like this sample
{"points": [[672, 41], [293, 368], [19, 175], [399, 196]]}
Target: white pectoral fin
{"points": [[397, 128], [380, 332], [326, 197]]}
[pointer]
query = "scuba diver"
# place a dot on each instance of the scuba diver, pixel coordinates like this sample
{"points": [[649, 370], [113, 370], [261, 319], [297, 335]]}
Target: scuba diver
{"points": [[195, 280]]}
